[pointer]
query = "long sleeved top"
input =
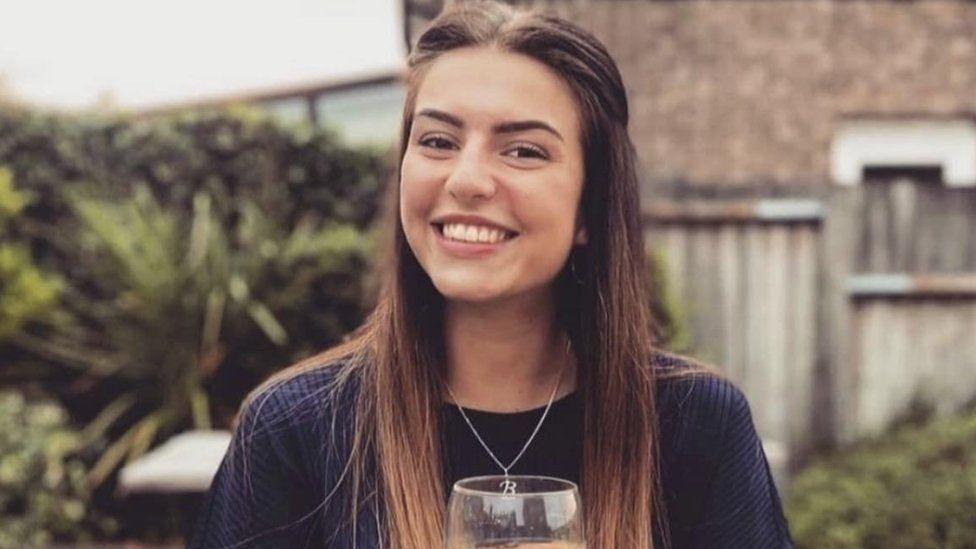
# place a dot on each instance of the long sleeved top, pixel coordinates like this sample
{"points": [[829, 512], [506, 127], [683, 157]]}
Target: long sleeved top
{"points": [[279, 484]]}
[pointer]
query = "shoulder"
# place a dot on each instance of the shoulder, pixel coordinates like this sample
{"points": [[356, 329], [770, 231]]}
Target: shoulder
{"points": [[277, 465], [697, 406], [296, 403], [294, 423], [715, 478]]}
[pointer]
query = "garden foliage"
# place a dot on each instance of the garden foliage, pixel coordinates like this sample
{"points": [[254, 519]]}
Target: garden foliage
{"points": [[912, 489], [25, 292], [199, 253], [43, 498], [667, 310]]}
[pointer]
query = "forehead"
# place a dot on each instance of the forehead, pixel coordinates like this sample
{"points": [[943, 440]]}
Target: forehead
{"points": [[485, 85]]}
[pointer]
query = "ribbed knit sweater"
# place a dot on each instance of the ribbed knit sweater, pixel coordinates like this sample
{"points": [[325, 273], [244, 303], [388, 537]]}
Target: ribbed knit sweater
{"points": [[281, 483]]}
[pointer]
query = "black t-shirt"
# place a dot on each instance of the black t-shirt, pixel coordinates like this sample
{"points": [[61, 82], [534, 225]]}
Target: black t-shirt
{"points": [[555, 451], [280, 485]]}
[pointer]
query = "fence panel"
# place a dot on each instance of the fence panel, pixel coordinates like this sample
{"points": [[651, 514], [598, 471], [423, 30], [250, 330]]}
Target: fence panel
{"points": [[835, 314], [747, 273], [912, 351]]}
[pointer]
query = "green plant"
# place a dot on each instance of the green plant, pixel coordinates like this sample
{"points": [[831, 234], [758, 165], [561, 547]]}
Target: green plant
{"points": [[666, 308], [158, 298], [198, 253], [43, 498], [914, 488], [25, 292], [230, 154]]}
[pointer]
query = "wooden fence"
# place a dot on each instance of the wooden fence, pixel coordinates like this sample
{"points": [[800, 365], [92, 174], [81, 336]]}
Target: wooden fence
{"points": [[833, 312]]}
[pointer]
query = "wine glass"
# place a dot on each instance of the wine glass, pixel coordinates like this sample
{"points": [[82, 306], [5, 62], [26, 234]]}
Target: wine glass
{"points": [[514, 511]]}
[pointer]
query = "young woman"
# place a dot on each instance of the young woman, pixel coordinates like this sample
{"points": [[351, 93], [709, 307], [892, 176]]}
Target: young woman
{"points": [[515, 299]]}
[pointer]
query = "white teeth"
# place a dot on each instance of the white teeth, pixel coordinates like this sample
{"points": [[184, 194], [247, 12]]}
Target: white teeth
{"points": [[471, 233]]}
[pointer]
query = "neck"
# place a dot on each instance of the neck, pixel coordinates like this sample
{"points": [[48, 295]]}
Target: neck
{"points": [[506, 356]]}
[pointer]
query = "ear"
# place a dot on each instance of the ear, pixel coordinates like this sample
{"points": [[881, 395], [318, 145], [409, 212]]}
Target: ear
{"points": [[580, 237]]}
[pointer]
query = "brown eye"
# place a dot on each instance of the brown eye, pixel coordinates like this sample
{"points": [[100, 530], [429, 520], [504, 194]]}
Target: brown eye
{"points": [[436, 142], [523, 151]]}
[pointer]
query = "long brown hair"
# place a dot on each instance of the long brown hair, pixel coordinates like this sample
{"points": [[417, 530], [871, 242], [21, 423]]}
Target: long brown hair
{"points": [[397, 358]]}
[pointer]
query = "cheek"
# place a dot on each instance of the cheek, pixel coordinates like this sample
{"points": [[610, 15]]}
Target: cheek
{"points": [[417, 194], [549, 209]]}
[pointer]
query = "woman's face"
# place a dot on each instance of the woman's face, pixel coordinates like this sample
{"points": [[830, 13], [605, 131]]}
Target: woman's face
{"points": [[494, 161]]}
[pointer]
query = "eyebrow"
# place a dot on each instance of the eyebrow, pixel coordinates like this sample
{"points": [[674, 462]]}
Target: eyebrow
{"points": [[501, 127]]}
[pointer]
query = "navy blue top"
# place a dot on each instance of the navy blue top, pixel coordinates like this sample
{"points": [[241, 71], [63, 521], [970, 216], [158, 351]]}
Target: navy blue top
{"points": [[278, 485]]}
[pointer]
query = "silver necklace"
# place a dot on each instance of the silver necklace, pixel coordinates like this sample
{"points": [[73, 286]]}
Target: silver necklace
{"points": [[538, 425]]}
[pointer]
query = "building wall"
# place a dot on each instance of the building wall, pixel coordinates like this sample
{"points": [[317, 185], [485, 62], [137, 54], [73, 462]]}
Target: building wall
{"points": [[751, 91]]}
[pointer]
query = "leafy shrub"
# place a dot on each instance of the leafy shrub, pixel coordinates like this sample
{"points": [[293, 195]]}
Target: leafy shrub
{"points": [[200, 253], [231, 154], [914, 489], [25, 292], [183, 295], [669, 314], [42, 480]]}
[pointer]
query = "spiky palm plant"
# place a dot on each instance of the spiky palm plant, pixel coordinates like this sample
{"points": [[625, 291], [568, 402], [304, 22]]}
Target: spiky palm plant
{"points": [[160, 296]]}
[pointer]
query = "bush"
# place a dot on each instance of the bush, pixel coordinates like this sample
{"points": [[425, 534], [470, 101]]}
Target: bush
{"points": [[231, 154], [25, 292], [914, 489], [42, 480], [199, 253], [669, 314], [183, 297]]}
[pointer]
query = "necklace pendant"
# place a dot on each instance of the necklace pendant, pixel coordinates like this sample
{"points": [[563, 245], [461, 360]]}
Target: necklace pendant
{"points": [[508, 485]]}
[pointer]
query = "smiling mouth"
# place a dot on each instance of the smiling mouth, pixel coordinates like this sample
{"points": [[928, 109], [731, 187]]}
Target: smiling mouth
{"points": [[470, 234]]}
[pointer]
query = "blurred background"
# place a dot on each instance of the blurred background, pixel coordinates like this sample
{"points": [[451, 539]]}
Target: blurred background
{"points": [[188, 197]]}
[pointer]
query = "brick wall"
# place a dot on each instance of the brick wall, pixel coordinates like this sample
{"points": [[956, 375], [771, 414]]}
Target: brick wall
{"points": [[749, 91]]}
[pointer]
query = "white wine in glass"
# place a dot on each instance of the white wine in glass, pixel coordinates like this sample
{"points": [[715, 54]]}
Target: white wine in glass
{"points": [[515, 511]]}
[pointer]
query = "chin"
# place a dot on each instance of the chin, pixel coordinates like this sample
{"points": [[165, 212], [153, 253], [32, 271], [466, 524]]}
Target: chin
{"points": [[469, 294], [467, 291]]}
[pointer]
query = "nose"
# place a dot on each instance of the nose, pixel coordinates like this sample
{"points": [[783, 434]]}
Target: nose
{"points": [[470, 179]]}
